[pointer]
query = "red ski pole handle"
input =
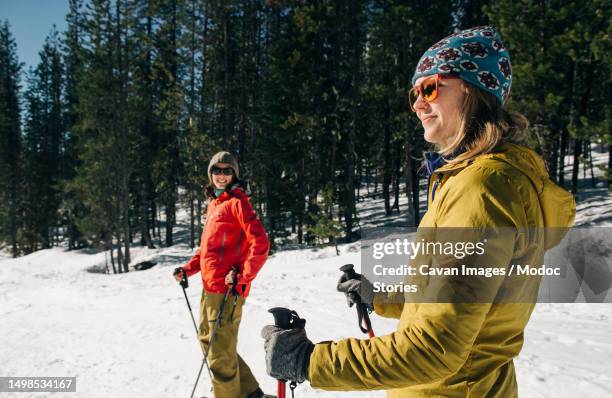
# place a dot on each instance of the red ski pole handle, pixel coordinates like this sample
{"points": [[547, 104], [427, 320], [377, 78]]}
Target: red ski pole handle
{"points": [[280, 389], [364, 320]]}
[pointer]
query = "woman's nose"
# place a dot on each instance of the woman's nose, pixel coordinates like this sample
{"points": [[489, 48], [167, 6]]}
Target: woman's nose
{"points": [[420, 104]]}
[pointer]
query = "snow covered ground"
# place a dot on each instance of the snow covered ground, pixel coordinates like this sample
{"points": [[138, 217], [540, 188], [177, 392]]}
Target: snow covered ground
{"points": [[129, 335]]}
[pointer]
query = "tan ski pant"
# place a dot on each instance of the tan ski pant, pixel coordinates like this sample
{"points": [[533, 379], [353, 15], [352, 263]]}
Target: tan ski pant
{"points": [[232, 377]]}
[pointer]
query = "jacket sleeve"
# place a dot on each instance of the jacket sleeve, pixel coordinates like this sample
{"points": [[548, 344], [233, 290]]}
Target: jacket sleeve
{"points": [[257, 240], [193, 266], [434, 342]]}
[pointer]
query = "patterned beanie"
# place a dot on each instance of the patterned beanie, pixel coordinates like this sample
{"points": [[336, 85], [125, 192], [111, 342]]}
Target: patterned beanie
{"points": [[223, 157], [476, 55]]}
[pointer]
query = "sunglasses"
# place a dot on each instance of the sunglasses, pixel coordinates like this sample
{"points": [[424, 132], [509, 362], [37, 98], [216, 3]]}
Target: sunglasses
{"points": [[428, 89], [228, 171]]}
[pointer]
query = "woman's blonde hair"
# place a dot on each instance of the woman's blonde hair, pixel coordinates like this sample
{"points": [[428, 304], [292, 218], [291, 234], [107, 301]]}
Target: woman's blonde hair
{"points": [[484, 124]]}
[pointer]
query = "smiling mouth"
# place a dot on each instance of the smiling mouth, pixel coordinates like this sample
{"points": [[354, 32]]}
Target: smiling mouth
{"points": [[427, 118]]}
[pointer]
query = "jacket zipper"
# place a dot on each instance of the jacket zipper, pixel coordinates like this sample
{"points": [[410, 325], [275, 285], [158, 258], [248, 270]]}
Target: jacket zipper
{"points": [[435, 186], [222, 247]]}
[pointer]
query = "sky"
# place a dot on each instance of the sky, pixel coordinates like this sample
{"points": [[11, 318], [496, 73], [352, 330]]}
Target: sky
{"points": [[30, 22]]}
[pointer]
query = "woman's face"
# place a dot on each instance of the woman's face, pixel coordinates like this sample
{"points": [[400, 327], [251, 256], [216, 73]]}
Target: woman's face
{"points": [[441, 118], [220, 180]]}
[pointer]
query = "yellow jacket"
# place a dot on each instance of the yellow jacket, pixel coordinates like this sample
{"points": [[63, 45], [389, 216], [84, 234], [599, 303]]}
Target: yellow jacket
{"points": [[458, 349]]}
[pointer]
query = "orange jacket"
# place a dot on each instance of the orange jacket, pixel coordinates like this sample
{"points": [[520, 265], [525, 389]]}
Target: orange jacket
{"points": [[232, 236]]}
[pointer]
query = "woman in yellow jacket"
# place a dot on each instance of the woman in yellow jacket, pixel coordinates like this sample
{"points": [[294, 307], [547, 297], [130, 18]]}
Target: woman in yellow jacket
{"points": [[481, 176]]}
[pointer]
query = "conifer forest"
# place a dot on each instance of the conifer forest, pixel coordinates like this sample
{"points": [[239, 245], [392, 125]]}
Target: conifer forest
{"points": [[111, 132]]}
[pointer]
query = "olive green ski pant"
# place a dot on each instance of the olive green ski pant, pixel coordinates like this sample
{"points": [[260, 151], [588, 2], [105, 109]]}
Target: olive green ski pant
{"points": [[232, 377]]}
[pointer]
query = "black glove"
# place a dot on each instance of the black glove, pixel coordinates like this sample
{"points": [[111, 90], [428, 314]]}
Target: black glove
{"points": [[287, 353], [180, 271], [357, 290]]}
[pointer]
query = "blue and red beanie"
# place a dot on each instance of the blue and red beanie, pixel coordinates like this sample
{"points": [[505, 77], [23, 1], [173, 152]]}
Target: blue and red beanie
{"points": [[477, 55]]}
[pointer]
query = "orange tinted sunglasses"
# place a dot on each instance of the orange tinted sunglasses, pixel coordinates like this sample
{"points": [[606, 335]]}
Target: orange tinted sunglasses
{"points": [[428, 89]]}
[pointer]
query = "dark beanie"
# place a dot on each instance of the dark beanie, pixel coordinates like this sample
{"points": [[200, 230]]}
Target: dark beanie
{"points": [[223, 157]]}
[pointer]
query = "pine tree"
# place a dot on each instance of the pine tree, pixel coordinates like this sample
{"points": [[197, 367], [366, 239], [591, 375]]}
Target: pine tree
{"points": [[556, 55], [44, 133], [144, 121], [104, 131], [167, 78], [399, 35], [469, 13], [73, 65], [309, 95], [10, 138]]}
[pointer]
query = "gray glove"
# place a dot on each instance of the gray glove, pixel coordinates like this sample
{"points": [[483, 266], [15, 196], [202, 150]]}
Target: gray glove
{"points": [[357, 290], [287, 353]]}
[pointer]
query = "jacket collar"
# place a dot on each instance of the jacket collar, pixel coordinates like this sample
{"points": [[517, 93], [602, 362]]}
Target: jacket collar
{"points": [[235, 191], [433, 161]]}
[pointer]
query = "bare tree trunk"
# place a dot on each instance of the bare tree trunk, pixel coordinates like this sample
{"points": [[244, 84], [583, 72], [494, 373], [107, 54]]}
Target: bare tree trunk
{"points": [[145, 225], [157, 223], [368, 177], [565, 136], [585, 158], [106, 270], [199, 225], [125, 171], [301, 203], [376, 179], [120, 261], [410, 178], [170, 218], [387, 158], [396, 177], [359, 180], [153, 219], [576, 119], [590, 157], [609, 171], [112, 256], [551, 150], [191, 222], [562, 154], [575, 168]]}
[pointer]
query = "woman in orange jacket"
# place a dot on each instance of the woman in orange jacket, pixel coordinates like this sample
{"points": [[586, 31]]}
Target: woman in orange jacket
{"points": [[233, 248]]}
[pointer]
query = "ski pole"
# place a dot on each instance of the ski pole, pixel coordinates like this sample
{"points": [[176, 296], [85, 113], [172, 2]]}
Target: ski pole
{"points": [[212, 337], [363, 317], [185, 284], [286, 319], [215, 328]]}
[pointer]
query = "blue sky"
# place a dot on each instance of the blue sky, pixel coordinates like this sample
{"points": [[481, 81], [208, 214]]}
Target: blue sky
{"points": [[30, 22]]}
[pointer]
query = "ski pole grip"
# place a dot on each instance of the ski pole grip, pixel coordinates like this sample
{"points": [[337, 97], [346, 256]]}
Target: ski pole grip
{"points": [[349, 271], [363, 319], [287, 319], [236, 269], [184, 282]]}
